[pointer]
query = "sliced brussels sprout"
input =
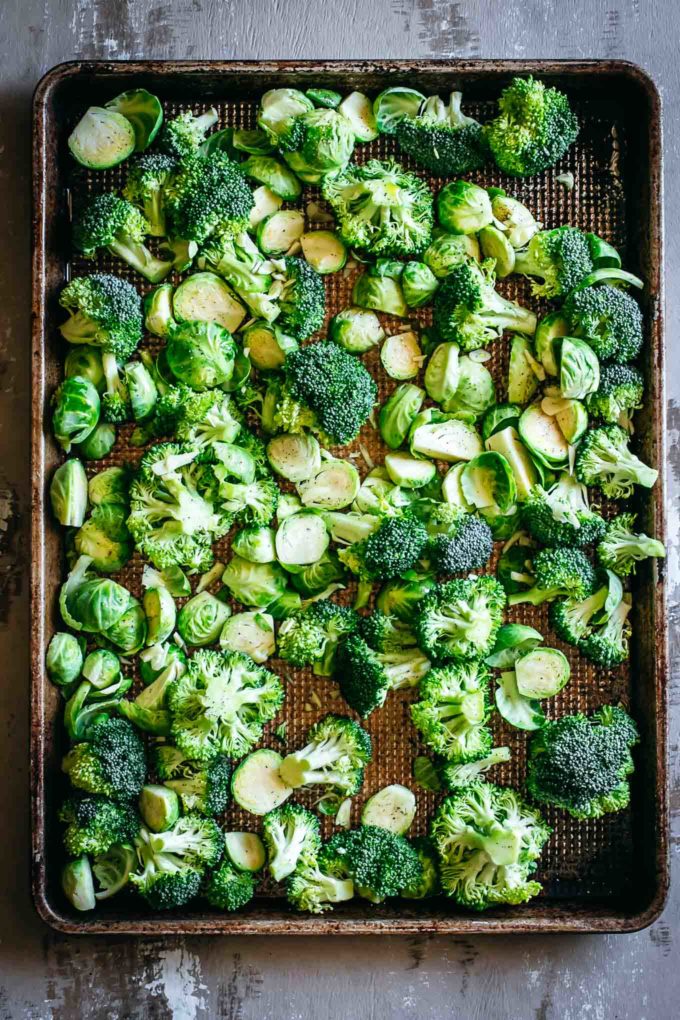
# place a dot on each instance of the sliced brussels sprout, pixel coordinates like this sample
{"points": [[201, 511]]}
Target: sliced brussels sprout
{"points": [[543, 437], [489, 483], [542, 673], [277, 109], [301, 539], [393, 104], [418, 284], [101, 139], [328, 98], [392, 808], [335, 485], [522, 713], [512, 641], [452, 486], [498, 418], [245, 850], [356, 329], [522, 381], [548, 332], [579, 368], [267, 346], [442, 374], [495, 245], [255, 543], [159, 807], [68, 493], [381, 293], [251, 633], [275, 175], [398, 412], [158, 313], [144, 112], [514, 219], [205, 297], [409, 472], [401, 355], [256, 785], [277, 232], [507, 442], [444, 437], [475, 392], [161, 614], [464, 207], [86, 361], [448, 251], [265, 204], [358, 109], [294, 456], [324, 250], [572, 419]]}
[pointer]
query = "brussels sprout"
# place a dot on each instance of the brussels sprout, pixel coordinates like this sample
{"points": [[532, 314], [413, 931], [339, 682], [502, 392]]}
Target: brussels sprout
{"points": [[101, 668], [542, 435], [255, 543], [88, 602], [235, 462], [464, 207], [475, 391], [267, 346], [324, 250], [294, 456], [358, 109], [76, 877], [254, 584], [201, 354], [496, 246], [105, 538], [278, 232], [487, 482], [205, 297], [112, 485], [410, 472], [503, 525], [156, 659], [301, 539], [418, 284], [76, 411], [99, 443], [522, 380], [500, 417], [318, 577], [506, 441], [335, 485], [256, 143], [144, 112], [101, 139], [398, 412], [158, 317], [443, 437], [161, 614], [68, 493], [393, 104], [251, 633], [442, 373], [64, 659], [289, 503], [579, 368], [356, 329], [401, 355], [452, 487], [380, 293], [325, 146], [173, 578], [200, 620], [265, 204], [287, 603], [275, 175], [448, 251], [277, 109], [548, 333], [141, 389], [376, 490], [512, 641], [159, 807], [324, 97], [514, 219], [129, 631], [86, 361]]}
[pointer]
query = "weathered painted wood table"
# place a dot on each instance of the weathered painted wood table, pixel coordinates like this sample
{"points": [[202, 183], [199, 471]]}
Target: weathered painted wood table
{"points": [[43, 975]]}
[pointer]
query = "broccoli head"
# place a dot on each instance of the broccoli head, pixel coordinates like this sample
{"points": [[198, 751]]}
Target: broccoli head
{"points": [[558, 573], [379, 862], [145, 187], [468, 310], [312, 888], [459, 541], [607, 645], [458, 620], [619, 394], [561, 516], [209, 195], [366, 677], [112, 762], [289, 832], [572, 618], [622, 547], [453, 711], [201, 419], [442, 139], [488, 841], [603, 458], [534, 128], [107, 221], [182, 136], [558, 258], [171, 863], [311, 635], [202, 787], [582, 763], [95, 824], [302, 301], [229, 889], [336, 752], [381, 208], [249, 502], [106, 311], [389, 551], [608, 319]]}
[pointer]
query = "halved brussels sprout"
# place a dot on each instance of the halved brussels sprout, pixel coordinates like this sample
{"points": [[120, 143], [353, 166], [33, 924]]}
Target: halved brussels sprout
{"points": [[548, 332], [448, 251], [500, 417], [265, 204], [141, 388], [255, 143], [289, 503], [542, 673], [401, 355], [254, 584], [442, 373], [99, 443], [275, 175], [205, 297], [278, 107], [356, 329], [358, 109], [104, 537], [294, 456], [161, 614], [101, 139], [514, 219], [376, 489], [380, 293], [158, 312], [495, 245], [86, 361], [579, 368], [443, 437], [68, 493], [475, 392], [522, 379], [277, 232], [487, 482], [324, 250], [301, 539], [409, 472], [398, 412], [543, 437], [77, 884], [393, 104], [464, 207], [144, 112], [112, 485], [335, 485], [251, 633], [101, 668], [512, 641], [267, 346], [452, 486], [320, 578], [348, 528], [255, 543], [507, 442]]}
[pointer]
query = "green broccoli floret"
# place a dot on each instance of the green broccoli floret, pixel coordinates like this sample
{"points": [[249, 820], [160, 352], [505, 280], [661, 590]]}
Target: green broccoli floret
{"points": [[289, 832], [249, 502], [381, 208], [429, 882], [310, 888], [107, 221], [402, 596], [392, 549], [608, 319], [170, 406], [237, 258], [607, 646], [202, 787], [366, 677], [459, 541], [311, 635], [112, 762], [603, 458], [145, 187], [561, 516], [172, 863], [453, 711], [558, 573], [458, 620], [386, 633], [182, 136], [229, 889], [106, 311], [534, 128], [488, 841], [302, 300], [456, 774], [442, 138], [221, 704], [209, 196], [619, 394], [115, 401], [202, 419], [622, 547], [582, 763], [571, 618], [94, 824], [468, 310], [559, 258], [336, 752], [334, 385], [379, 862]]}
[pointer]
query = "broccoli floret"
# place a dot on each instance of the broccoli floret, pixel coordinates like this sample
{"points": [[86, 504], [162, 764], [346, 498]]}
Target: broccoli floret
{"points": [[112, 762], [622, 547], [145, 186], [250, 502], [571, 618], [366, 677], [456, 774], [442, 138], [561, 516], [386, 633], [311, 635], [334, 385], [221, 704], [202, 419], [458, 620], [106, 311], [429, 882], [229, 889], [168, 410], [379, 862], [380, 208], [182, 136], [603, 458], [289, 832], [582, 763], [310, 888], [237, 258], [558, 573], [172, 863], [488, 841], [107, 221], [115, 405], [608, 319], [202, 787], [459, 541], [453, 711], [302, 300], [607, 646], [209, 195], [94, 824], [619, 394], [534, 128], [469, 312], [559, 258], [392, 549], [336, 752], [401, 597]]}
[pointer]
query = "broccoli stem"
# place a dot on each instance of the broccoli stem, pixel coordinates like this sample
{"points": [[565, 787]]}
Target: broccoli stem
{"points": [[140, 258]]}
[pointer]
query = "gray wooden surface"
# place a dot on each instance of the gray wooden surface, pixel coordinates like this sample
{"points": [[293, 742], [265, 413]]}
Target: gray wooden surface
{"points": [[43, 975]]}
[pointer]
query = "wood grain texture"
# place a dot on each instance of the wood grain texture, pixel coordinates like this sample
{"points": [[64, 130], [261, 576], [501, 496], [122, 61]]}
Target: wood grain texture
{"points": [[44, 976]]}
